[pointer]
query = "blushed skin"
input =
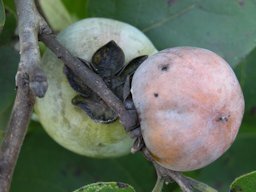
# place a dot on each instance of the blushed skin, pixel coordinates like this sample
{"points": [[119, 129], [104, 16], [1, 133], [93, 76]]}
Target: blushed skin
{"points": [[69, 125], [190, 106]]}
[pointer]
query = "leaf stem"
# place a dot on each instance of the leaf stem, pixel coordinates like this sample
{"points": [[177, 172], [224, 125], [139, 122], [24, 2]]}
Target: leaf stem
{"points": [[200, 186]]}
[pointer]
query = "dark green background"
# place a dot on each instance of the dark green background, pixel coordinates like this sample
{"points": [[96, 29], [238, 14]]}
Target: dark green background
{"points": [[224, 26]]}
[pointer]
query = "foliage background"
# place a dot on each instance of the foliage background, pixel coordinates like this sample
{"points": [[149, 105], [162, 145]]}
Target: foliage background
{"points": [[226, 27]]}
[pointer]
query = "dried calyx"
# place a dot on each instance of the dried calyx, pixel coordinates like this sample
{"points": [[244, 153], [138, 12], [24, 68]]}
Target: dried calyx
{"points": [[76, 127], [109, 63]]}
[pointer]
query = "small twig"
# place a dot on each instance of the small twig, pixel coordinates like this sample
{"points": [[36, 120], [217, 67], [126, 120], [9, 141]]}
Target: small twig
{"points": [[186, 184], [167, 174], [15, 134], [159, 183]]}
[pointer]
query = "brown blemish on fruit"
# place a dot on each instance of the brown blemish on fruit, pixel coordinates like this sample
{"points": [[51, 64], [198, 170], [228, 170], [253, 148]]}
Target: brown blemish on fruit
{"points": [[100, 145], [164, 67], [170, 158], [161, 151], [155, 157], [156, 94]]}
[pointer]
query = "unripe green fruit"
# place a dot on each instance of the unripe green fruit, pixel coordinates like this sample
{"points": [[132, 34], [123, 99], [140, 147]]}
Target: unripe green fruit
{"points": [[190, 106], [69, 125]]}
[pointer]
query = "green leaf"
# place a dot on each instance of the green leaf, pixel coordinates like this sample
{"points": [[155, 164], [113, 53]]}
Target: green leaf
{"points": [[246, 183], [77, 10], [2, 15], [7, 36], [248, 124], [225, 27], [239, 159], [10, 5], [9, 60], [245, 72], [106, 187], [44, 165], [56, 14]]}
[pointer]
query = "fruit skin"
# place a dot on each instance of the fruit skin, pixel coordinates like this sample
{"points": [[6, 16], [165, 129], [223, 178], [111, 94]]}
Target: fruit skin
{"points": [[67, 124], [190, 106]]}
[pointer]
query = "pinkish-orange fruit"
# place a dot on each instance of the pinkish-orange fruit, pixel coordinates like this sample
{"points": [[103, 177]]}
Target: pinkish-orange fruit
{"points": [[190, 106]]}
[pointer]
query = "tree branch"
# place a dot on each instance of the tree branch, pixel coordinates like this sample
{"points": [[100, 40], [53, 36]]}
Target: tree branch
{"points": [[14, 137], [31, 82]]}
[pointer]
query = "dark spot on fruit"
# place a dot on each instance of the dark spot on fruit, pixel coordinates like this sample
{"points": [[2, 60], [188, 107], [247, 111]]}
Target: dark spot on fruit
{"points": [[223, 118], [101, 145], [156, 94], [164, 67], [122, 185]]}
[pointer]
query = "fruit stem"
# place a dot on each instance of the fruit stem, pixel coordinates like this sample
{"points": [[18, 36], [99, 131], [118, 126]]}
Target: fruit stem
{"points": [[159, 184]]}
